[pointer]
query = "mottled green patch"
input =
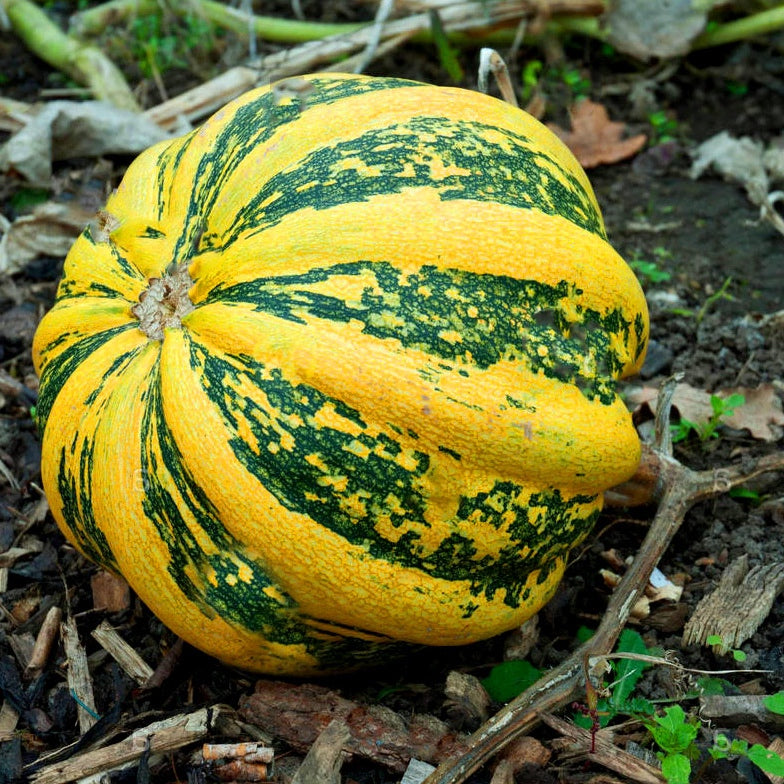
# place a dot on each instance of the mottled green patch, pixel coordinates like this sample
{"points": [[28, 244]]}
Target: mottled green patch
{"points": [[457, 159], [76, 497], [252, 126], [60, 369], [370, 473], [496, 317]]}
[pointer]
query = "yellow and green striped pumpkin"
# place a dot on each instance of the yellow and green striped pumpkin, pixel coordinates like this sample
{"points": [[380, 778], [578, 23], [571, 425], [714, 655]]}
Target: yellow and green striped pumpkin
{"points": [[336, 373]]}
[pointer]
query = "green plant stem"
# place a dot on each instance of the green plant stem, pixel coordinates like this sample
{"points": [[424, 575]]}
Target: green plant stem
{"points": [[95, 20], [741, 29], [83, 63]]}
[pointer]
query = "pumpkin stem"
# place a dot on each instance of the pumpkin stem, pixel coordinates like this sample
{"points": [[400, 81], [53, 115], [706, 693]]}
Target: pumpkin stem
{"points": [[165, 303]]}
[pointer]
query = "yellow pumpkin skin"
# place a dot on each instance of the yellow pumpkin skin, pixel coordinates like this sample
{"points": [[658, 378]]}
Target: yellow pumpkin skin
{"points": [[369, 400]]}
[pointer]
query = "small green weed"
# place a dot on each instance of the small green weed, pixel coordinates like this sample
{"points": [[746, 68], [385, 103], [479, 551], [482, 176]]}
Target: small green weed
{"points": [[650, 271], [664, 127], [579, 85], [721, 406], [508, 679], [624, 674], [674, 733], [737, 654], [530, 79]]}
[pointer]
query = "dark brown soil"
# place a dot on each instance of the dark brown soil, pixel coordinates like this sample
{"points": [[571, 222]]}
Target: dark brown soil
{"points": [[701, 232]]}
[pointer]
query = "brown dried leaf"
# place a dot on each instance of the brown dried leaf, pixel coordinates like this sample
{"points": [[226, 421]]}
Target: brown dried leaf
{"points": [[110, 592], [594, 138], [761, 414]]}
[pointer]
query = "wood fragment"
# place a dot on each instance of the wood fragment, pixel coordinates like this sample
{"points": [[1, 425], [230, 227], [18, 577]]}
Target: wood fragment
{"points": [[605, 753], [110, 591], [416, 772], [467, 697], [240, 770], [130, 661], [157, 738], [250, 752], [22, 645], [79, 681], [735, 610], [503, 773], [8, 721], [298, 714], [323, 761], [736, 709], [44, 642]]}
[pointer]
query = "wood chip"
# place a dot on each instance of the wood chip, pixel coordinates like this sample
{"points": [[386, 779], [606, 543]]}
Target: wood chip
{"points": [[323, 762], [122, 653], [110, 592], [736, 709], [8, 721], [79, 681], [735, 610], [47, 635], [159, 737]]}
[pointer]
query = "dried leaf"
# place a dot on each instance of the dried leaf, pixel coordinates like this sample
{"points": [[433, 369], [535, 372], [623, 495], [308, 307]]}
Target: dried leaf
{"points": [[49, 231], [650, 28], [110, 592], [64, 129], [594, 138], [761, 414]]}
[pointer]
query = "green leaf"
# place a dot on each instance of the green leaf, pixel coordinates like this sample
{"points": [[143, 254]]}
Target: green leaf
{"points": [[676, 768], [708, 685], [672, 732], [627, 671], [766, 760], [509, 679], [446, 54], [775, 703], [584, 634]]}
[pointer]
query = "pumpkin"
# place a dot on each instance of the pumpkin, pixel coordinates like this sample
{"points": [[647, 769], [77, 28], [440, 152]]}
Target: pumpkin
{"points": [[335, 373]]}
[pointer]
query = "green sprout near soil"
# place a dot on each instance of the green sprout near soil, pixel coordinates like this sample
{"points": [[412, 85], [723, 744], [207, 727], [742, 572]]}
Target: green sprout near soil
{"points": [[716, 639], [675, 734], [650, 272], [664, 127], [722, 407]]}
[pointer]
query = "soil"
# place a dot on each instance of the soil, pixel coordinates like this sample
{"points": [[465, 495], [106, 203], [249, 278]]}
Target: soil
{"points": [[702, 232]]}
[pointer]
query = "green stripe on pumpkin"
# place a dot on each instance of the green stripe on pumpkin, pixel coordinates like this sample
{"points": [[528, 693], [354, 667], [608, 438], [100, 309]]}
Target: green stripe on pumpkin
{"points": [[457, 159], [230, 583], [354, 485], [471, 319], [252, 125]]}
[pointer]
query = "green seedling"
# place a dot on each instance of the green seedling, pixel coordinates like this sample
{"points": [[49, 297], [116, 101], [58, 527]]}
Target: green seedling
{"points": [[722, 407], [737, 654], [766, 760], [722, 293], [624, 675], [664, 127], [674, 733], [530, 79], [579, 85], [648, 271], [509, 679]]}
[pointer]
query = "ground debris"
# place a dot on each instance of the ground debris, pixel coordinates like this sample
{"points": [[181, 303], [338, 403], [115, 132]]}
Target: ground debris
{"points": [[735, 610], [299, 714]]}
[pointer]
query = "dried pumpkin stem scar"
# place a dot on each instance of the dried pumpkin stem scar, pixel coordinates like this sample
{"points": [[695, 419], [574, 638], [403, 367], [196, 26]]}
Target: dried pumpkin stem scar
{"points": [[165, 303]]}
